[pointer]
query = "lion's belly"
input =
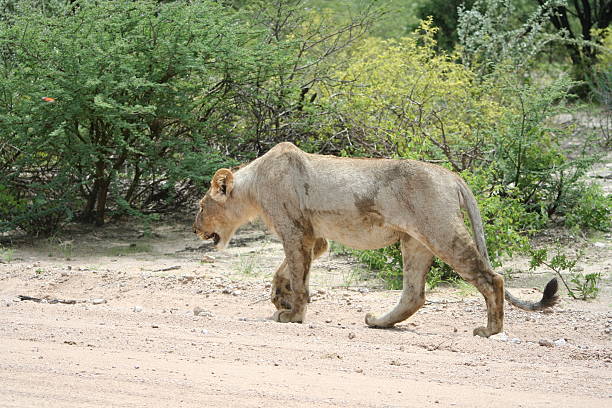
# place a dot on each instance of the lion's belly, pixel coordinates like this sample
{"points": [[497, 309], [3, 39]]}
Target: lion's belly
{"points": [[354, 231]]}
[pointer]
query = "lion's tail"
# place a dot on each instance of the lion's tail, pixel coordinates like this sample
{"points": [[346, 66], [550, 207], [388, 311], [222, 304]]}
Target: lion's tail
{"points": [[549, 298]]}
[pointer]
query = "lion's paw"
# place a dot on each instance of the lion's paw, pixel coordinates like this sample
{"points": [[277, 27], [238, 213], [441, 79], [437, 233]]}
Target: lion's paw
{"points": [[375, 322], [287, 316], [482, 332]]}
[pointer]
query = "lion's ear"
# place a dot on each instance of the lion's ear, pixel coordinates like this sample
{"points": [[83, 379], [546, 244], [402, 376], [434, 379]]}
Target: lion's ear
{"points": [[221, 184]]}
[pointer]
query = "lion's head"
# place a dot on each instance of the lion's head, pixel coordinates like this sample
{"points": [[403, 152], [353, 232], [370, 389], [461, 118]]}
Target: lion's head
{"points": [[217, 218]]}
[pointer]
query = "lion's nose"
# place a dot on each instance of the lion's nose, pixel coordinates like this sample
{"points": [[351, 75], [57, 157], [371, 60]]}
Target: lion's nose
{"points": [[195, 231]]}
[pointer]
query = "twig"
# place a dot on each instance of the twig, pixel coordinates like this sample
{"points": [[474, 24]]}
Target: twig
{"points": [[51, 301], [263, 299], [169, 268]]}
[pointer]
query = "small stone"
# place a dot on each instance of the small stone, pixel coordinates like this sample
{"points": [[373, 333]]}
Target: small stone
{"points": [[137, 309], [515, 340], [328, 320], [237, 293], [204, 331], [560, 342], [311, 326], [546, 343], [359, 309], [364, 290], [208, 259], [186, 279], [500, 337], [468, 309], [154, 326], [351, 336], [359, 371], [198, 311], [98, 301]]}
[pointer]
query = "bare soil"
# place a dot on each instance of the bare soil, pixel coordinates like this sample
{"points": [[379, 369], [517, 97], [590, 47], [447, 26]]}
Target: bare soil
{"points": [[160, 319]]}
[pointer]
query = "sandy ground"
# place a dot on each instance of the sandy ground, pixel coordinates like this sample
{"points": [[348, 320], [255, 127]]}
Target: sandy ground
{"points": [[176, 324]]}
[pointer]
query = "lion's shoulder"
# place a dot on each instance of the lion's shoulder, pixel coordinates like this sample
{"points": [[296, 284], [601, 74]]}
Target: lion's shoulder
{"points": [[285, 147], [283, 159]]}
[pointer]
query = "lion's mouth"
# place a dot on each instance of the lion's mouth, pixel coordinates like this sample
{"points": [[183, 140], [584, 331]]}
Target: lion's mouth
{"points": [[214, 236]]}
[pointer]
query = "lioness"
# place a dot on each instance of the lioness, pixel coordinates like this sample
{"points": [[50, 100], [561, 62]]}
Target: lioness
{"points": [[366, 204]]}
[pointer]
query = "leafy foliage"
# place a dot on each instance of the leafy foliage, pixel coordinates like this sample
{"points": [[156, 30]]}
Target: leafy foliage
{"points": [[583, 286], [136, 93], [590, 209], [403, 99], [445, 15], [490, 34]]}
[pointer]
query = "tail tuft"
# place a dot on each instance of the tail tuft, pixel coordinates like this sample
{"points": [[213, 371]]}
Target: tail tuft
{"points": [[549, 298]]}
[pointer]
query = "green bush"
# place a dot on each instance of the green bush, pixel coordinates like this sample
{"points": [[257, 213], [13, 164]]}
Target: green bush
{"points": [[139, 93], [526, 161], [591, 209]]}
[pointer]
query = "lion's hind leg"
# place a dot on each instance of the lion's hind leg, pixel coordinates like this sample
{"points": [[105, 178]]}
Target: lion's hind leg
{"points": [[460, 252], [417, 261]]}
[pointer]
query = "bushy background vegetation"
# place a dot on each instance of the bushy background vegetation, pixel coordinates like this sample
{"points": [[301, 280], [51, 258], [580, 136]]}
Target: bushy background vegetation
{"points": [[111, 108]]}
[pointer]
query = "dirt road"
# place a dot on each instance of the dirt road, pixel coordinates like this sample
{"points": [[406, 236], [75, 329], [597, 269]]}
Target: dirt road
{"points": [[161, 321]]}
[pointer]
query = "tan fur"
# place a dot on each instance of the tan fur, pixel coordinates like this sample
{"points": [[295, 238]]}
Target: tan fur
{"points": [[365, 204]]}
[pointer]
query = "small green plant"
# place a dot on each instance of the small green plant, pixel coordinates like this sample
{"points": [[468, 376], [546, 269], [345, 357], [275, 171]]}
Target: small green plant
{"points": [[581, 286], [250, 262], [65, 247], [465, 289], [385, 262], [509, 273], [387, 265], [441, 273], [6, 254], [586, 286], [355, 277], [122, 250]]}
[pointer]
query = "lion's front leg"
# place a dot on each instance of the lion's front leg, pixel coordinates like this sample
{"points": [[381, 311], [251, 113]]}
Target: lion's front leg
{"points": [[298, 257], [281, 294]]}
